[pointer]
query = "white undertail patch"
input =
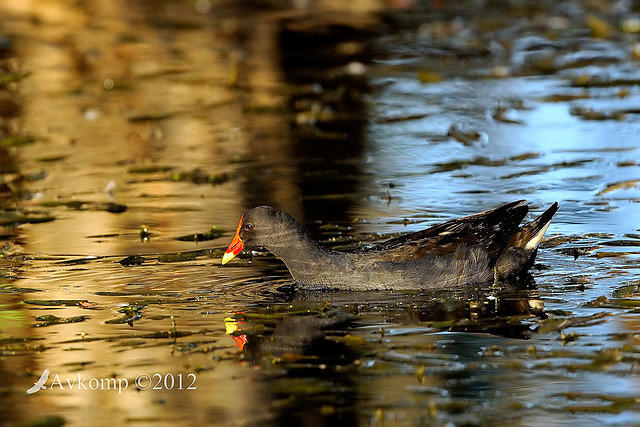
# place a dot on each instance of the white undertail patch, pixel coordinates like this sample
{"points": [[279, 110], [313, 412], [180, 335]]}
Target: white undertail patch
{"points": [[535, 241]]}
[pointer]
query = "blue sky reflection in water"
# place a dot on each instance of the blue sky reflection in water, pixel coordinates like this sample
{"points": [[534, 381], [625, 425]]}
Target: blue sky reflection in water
{"points": [[362, 124], [571, 159]]}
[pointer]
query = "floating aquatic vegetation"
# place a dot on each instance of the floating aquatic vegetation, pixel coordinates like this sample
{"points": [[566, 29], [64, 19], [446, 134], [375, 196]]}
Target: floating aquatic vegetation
{"points": [[173, 208], [427, 76], [586, 113], [16, 141], [148, 117], [21, 346], [483, 161], [396, 119], [577, 251], [87, 305], [351, 341], [49, 319], [150, 301], [565, 97], [83, 205], [199, 176], [621, 185], [131, 313], [12, 77], [178, 256], [569, 338], [620, 303], [61, 302], [143, 292], [151, 335], [598, 81], [609, 254], [23, 217], [76, 261], [501, 114], [101, 236], [558, 324], [626, 291], [17, 340], [598, 26], [559, 165], [621, 243], [466, 137], [625, 164], [46, 421], [51, 159], [265, 109], [174, 23], [9, 288], [191, 255], [132, 260], [600, 361], [149, 169], [599, 403], [213, 233]]}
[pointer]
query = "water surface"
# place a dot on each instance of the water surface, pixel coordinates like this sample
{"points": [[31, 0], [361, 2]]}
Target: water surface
{"points": [[129, 128]]}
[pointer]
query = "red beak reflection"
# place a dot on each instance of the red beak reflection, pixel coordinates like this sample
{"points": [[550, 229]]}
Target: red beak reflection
{"points": [[232, 326]]}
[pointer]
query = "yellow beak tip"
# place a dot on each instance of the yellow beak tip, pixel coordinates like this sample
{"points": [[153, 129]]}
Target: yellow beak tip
{"points": [[228, 256]]}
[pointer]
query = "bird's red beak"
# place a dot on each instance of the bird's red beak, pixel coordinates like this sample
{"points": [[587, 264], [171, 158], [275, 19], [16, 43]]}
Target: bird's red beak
{"points": [[235, 247]]}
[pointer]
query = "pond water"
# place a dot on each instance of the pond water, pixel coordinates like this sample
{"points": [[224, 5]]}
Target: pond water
{"points": [[133, 135]]}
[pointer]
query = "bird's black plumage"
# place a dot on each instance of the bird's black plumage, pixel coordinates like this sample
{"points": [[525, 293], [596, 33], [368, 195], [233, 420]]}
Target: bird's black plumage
{"points": [[466, 250]]}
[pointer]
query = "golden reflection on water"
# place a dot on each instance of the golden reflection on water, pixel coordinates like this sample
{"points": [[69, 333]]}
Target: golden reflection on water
{"points": [[182, 74], [76, 53]]}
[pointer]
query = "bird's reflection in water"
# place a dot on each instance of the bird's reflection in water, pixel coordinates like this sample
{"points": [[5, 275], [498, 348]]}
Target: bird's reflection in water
{"points": [[314, 346], [232, 326], [310, 374], [296, 323]]}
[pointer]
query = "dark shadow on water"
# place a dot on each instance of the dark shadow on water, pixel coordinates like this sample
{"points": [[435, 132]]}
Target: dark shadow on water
{"points": [[326, 115], [308, 382], [311, 352]]}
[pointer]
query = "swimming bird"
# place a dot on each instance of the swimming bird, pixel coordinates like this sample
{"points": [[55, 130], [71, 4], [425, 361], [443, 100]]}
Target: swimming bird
{"points": [[475, 249]]}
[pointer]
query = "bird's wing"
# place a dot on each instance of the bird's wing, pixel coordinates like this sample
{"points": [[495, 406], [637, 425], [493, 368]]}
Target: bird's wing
{"points": [[491, 230]]}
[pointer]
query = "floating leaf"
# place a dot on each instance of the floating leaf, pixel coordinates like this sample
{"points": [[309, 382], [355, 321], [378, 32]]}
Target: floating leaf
{"points": [[82, 205], [14, 218], [49, 319], [12, 77], [550, 325], [48, 159], [149, 169], [621, 185], [148, 117], [598, 26], [47, 421], [213, 233], [132, 260], [16, 141], [426, 76], [396, 119], [57, 302], [177, 257]]}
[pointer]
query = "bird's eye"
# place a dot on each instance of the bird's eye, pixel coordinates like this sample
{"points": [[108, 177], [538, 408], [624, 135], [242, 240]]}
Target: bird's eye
{"points": [[248, 227]]}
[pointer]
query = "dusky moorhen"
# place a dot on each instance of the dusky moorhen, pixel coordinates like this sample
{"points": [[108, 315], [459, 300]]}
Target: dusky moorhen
{"points": [[463, 251]]}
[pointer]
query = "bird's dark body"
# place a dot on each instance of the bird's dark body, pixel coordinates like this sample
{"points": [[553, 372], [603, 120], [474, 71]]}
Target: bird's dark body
{"points": [[464, 251]]}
